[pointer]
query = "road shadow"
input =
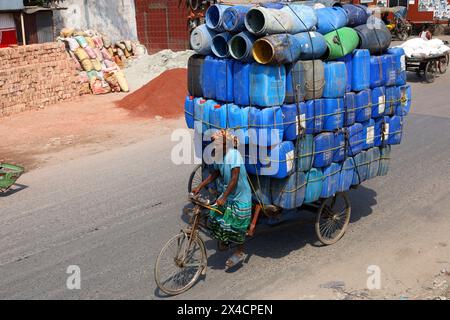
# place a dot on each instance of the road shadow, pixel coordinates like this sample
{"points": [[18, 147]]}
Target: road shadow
{"points": [[184, 212], [273, 242], [14, 189], [159, 294], [362, 200], [162, 295], [413, 77], [275, 239], [279, 240]]}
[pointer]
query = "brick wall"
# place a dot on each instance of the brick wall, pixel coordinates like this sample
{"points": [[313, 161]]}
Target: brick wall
{"points": [[34, 76], [161, 24]]}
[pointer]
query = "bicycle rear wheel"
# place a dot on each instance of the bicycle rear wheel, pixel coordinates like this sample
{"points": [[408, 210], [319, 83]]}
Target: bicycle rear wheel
{"points": [[333, 218], [180, 263], [196, 177]]}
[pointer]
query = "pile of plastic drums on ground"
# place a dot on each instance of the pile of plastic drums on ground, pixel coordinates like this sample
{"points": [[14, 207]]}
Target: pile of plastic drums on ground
{"points": [[315, 95]]}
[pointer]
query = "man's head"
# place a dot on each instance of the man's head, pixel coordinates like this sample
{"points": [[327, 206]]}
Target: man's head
{"points": [[223, 140]]}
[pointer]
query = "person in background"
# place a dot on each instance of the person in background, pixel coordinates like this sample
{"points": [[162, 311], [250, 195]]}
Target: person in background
{"points": [[230, 216], [426, 34]]}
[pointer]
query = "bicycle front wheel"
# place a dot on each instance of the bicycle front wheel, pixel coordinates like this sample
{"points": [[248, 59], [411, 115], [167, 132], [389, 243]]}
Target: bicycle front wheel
{"points": [[180, 263]]}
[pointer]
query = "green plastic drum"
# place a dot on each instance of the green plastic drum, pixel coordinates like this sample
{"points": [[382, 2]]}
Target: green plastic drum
{"points": [[341, 42]]}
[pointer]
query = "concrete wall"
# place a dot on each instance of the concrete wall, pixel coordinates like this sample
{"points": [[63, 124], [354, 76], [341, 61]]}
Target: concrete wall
{"points": [[34, 76], [115, 18]]}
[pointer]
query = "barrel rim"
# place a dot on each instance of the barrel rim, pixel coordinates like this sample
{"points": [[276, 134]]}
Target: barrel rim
{"points": [[265, 48], [222, 37], [235, 19], [238, 37], [209, 23], [196, 33], [255, 11]]}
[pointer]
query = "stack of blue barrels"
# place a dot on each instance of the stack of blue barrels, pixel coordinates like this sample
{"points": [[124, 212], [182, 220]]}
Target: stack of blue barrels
{"points": [[317, 93]]}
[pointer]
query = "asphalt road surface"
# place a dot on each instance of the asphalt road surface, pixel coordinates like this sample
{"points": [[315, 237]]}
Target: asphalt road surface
{"points": [[110, 213]]}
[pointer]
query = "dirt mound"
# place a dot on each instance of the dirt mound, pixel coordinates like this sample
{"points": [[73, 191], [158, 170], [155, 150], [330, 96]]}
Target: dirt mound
{"points": [[147, 67], [163, 96]]}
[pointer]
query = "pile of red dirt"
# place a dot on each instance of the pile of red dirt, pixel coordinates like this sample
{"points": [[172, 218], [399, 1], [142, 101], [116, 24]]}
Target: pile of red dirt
{"points": [[163, 96]]}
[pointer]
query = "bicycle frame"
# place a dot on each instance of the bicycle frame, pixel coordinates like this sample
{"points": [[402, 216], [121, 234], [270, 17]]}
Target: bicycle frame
{"points": [[194, 225]]}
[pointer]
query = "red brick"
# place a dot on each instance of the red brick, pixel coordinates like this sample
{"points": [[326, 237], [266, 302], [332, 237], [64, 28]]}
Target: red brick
{"points": [[35, 75]]}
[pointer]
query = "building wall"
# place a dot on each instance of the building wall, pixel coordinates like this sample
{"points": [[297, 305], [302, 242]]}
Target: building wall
{"points": [[34, 76], [115, 18], [11, 5], [162, 24], [38, 27], [8, 33], [436, 10]]}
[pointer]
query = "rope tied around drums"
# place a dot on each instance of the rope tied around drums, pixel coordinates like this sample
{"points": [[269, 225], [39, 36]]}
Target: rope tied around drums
{"points": [[302, 126]]}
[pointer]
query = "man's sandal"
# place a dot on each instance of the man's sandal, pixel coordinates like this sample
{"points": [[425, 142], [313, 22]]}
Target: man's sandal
{"points": [[234, 260]]}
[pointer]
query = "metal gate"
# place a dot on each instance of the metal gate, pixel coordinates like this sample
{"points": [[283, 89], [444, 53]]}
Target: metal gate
{"points": [[162, 24]]}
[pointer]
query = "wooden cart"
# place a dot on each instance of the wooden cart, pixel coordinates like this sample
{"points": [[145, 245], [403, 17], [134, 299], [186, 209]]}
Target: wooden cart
{"points": [[428, 67]]}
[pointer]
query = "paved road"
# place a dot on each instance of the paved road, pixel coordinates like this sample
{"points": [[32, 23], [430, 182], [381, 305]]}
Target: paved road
{"points": [[110, 213]]}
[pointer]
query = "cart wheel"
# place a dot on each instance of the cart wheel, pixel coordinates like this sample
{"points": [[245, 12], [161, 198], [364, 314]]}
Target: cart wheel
{"points": [[333, 218], [402, 34], [442, 64], [430, 71], [180, 263], [438, 30], [194, 4]]}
